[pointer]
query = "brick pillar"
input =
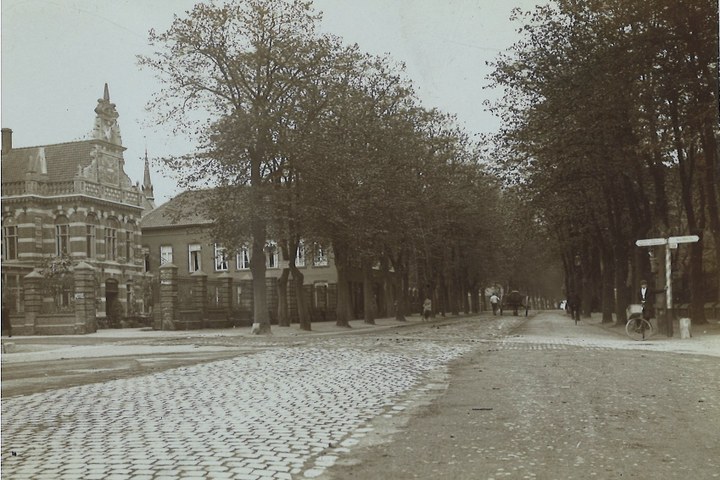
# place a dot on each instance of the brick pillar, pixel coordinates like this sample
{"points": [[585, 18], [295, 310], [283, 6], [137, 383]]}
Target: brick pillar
{"points": [[168, 308], [33, 303], [272, 298], [292, 300], [84, 276], [200, 294], [227, 293]]}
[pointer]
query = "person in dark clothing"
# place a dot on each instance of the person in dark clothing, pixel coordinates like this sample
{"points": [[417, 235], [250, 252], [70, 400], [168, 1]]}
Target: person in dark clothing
{"points": [[6, 326], [573, 302], [647, 299]]}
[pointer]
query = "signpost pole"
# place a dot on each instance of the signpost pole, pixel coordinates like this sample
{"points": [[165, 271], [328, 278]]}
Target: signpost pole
{"points": [[668, 292]]}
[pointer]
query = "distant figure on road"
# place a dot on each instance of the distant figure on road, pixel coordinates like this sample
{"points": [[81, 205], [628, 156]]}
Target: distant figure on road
{"points": [[573, 304], [427, 308], [647, 299], [494, 301], [6, 326]]}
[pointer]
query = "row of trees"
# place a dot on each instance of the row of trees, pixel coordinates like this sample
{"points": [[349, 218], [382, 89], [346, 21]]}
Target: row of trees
{"points": [[610, 130], [303, 137]]}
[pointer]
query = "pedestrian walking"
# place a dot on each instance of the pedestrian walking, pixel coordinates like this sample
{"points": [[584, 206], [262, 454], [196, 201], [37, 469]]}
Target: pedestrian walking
{"points": [[494, 302], [6, 325], [427, 308], [573, 305]]}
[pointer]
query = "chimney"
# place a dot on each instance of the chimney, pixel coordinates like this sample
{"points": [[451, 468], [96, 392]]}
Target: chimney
{"points": [[6, 140]]}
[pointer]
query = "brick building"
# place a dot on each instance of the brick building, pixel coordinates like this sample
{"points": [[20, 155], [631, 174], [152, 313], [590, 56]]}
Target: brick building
{"points": [[71, 203], [174, 233]]}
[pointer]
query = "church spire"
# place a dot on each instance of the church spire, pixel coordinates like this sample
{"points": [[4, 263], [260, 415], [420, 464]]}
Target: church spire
{"points": [[147, 188], [147, 183]]}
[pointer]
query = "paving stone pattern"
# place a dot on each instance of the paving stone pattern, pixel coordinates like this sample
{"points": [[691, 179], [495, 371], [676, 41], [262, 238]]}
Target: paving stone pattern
{"points": [[282, 413]]}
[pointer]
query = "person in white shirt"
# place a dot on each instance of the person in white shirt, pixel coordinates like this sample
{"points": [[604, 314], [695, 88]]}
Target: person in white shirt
{"points": [[494, 301]]}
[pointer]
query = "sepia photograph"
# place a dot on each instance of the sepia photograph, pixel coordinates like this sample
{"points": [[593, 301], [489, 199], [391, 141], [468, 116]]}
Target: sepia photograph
{"points": [[360, 239]]}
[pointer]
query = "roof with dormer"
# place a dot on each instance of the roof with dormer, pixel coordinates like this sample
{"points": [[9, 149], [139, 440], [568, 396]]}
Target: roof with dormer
{"points": [[62, 160], [182, 211]]}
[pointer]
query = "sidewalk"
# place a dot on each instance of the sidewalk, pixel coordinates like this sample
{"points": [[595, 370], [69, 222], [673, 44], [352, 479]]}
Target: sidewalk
{"points": [[705, 338], [122, 342], [127, 341]]}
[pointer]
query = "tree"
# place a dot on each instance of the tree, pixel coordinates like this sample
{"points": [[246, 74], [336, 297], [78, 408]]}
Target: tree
{"points": [[601, 122], [248, 65]]}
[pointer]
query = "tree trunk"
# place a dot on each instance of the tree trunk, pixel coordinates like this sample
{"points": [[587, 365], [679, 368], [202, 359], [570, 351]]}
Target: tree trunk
{"points": [[261, 316], [402, 282], [697, 291], [453, 294], [283, 315], [442, 295], [608, 287], [621, 284], [402, 298], [343, 287], [711, 172], [465, 298], [302, 307], [389, 287], [368, 292]]}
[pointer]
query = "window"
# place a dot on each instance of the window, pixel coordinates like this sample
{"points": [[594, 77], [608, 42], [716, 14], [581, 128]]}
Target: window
{"points": [[62, 239], [10, 243], [146, 259], [194, 263], [320, 259], [271, 255], [129, 250], [110, 243], [221, 263], [166, 254], [300, 255], [90, 237], [243, 259]]}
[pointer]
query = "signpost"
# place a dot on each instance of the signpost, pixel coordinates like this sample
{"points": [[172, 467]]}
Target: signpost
{"points": [[651, 242], [670, 243]]}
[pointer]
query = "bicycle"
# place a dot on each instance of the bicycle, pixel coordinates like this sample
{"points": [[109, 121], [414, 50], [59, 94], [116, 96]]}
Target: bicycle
{"points": [[638, 327]]}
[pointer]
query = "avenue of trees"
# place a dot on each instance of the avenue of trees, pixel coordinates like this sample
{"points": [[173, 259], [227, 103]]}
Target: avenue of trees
{"points": [[610, 135], [302, 138]]}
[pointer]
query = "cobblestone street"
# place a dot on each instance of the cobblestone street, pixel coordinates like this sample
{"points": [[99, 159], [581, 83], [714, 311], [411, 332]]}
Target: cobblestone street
{"points": [[292, 410]]}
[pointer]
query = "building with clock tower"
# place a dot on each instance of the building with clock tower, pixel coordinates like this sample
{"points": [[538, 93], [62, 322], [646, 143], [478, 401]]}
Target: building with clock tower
{"points": [[69, 212]]}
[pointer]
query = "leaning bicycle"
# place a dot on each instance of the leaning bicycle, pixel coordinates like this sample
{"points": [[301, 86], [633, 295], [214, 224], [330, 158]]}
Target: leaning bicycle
{"points": [[638, 327]]}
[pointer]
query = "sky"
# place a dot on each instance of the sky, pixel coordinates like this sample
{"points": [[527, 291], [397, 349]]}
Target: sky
{"points": [[58, 54]]}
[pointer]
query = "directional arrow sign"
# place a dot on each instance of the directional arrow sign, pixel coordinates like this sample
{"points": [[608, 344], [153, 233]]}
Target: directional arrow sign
{"points": [[684, 239], [649, 242]]}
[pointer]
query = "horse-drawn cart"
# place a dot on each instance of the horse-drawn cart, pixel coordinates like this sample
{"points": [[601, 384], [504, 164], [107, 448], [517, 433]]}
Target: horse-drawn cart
{"points": [[515, 301]]}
